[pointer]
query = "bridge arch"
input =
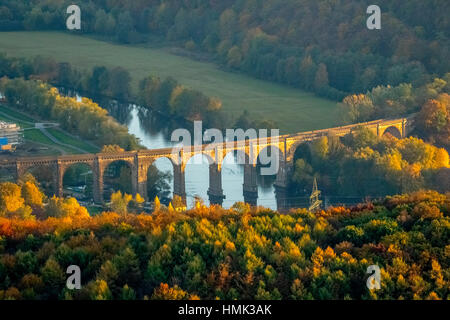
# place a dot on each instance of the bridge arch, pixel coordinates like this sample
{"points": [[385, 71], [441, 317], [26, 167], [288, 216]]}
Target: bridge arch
{"points": [[45, 174], [172, 161], [8, 174], [159, 179], [294, 147], [393, 131], [197, 158], [232, 170], [118, 176], [197, 173], [78, 180]]}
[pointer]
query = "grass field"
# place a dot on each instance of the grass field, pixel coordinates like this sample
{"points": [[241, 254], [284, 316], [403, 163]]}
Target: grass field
{"points": [[16, 114], [19, 123], [35, 135], [293, 110], [22, 120], [64, 138]]}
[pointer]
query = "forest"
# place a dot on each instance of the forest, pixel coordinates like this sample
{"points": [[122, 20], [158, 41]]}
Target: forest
{"points": [[429, 103], [362, 164], [213, 253], [322, 46]]}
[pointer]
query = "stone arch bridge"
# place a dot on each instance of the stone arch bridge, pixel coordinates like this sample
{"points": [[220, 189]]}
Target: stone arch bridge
{"points": [[140, 161]]}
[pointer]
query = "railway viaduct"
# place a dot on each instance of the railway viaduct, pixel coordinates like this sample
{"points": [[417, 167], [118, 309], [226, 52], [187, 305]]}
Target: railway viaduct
{"points": [[140, 161]]}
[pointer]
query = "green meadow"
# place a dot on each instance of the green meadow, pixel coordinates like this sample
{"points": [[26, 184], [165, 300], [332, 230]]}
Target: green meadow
{"points": [[292, 109], [35, 135]]}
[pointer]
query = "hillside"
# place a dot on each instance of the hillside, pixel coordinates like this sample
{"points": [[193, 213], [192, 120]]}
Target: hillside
{"points": [[322, 46], [213, 253]]}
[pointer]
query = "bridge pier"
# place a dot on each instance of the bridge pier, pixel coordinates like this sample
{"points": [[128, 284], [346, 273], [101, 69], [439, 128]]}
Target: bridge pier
{"points": [[19, 170], [142, 182], [281, 195], [58, 176], [282, 184], [215, 191], [142, 165], [97, 175], [179, 182], [250, 185], [135, 180]]}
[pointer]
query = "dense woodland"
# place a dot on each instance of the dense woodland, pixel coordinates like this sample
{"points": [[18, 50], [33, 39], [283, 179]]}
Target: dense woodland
{"points": [[213, 253], [431, 102], [322, 46], [362, 164]]}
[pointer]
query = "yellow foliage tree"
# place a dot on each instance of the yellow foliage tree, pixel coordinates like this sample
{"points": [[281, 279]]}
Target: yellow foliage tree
{"points": [[61, 208], [164, 292], [441, 160], [157, 204], [112, 148], [10, 198], [119, 202], [139, 199], [32, 195]]}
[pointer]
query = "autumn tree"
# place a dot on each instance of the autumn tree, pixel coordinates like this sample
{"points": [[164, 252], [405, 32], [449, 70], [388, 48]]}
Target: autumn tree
{"points": [[32, 195], [119, 202], [112, 149], [10, 198], [434, 120]]}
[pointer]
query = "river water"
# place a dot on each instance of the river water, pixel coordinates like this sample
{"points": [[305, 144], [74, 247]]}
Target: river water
{"points": [[155, 131]]}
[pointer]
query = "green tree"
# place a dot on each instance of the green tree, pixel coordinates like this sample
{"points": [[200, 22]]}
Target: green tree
{"points": [[53, 277], [321, 78], [119, 83]]}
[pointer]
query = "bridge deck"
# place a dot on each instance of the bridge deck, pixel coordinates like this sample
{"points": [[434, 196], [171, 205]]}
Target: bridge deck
{"points": [[308, 135]]}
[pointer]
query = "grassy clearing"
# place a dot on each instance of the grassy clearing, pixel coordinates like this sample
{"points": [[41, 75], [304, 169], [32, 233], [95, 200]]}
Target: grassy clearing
{"points": [[64, 138], [16, 114], [7, 119], [293, 110], [35, 135], [22, 119]]}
